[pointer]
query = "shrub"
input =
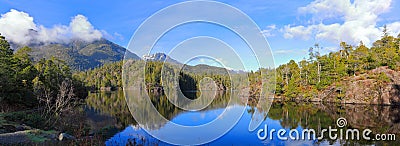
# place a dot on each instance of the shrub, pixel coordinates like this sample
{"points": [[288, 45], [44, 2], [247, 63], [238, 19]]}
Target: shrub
{"points": [[383, 77], [31, 119]]}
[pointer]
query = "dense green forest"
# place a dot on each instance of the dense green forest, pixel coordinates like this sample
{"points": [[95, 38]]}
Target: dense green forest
{"points": [[304, 79], [79, 54], [46, 85], [317, 72], [110, 75], [44, 93]]}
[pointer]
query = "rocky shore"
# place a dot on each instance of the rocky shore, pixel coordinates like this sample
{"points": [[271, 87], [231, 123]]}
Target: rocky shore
{"points": [[379, 86]]}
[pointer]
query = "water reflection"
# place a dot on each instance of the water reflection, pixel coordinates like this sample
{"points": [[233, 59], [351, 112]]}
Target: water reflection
{"points": [[109, 104], [380, 119]]}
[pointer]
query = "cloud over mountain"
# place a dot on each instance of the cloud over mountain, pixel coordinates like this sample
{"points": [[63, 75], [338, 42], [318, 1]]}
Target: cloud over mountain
{"points": [[20, 27]]}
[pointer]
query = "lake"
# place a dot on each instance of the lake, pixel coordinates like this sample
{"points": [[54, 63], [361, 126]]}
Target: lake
{"points": [[108, 113]]}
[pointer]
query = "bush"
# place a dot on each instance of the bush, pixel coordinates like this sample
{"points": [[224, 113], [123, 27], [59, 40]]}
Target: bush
{"points": [[383, 77], [34, 120]]}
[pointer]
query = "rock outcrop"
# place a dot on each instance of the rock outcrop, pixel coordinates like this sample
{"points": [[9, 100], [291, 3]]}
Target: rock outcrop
{"points": [[378, 86]]}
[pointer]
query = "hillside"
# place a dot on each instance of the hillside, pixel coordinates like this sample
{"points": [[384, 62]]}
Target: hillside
{"points": [[198, 69], [109, 75], [378, 86], [80, 55], [354, 74]]}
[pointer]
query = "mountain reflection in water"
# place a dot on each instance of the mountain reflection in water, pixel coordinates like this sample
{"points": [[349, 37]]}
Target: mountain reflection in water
{"points": [[109, 109]]}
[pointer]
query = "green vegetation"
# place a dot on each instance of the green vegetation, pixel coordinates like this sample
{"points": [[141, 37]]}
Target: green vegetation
{"points": [[109, 75], [44, 93], [38, 94], [16, 74], [306, 78], [80, 55], [39, 135], [112, 104], [31, 119], [302, 80], [25, 83]]}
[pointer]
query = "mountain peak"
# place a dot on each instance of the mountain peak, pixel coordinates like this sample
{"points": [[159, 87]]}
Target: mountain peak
{"points": [[159, 57]]}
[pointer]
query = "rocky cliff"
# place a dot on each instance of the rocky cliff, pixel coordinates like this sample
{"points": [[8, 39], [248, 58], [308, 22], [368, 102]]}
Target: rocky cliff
{"points": [[378, 86]]}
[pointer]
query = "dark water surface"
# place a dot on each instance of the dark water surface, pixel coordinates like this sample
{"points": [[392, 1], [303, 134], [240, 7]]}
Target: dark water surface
{"points": [[109, 113]]}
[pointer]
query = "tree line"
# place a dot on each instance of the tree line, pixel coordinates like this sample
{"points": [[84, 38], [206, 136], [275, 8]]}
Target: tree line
{"points": [[309, 76], [303, 79], [110, 75], [47, 83]]}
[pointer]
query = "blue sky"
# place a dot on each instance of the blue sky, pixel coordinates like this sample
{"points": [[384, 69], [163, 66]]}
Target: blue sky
{"points": [[290, 26]]}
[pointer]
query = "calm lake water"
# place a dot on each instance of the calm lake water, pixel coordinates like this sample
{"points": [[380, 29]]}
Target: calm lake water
{"points": [[108, 113]]}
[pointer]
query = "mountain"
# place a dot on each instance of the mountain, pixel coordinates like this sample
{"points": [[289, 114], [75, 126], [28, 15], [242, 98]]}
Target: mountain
{"points": [[204, 69], [160, 57], [80, 55], [200, 68], [207, 69]]}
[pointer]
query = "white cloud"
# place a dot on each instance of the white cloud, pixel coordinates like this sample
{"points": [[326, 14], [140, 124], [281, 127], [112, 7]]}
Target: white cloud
{"points": [[297, 31], [81, 28], [331, 49], [268, 31], [284, 52], [16, 26], [394, 28], [353, 21], [19, 27], [56, 34], [290, 51]]}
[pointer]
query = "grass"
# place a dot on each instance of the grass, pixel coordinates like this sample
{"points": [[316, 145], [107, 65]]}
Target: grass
{"points": [[31, 119], [2, 120], [39, 135], [35, 135]]}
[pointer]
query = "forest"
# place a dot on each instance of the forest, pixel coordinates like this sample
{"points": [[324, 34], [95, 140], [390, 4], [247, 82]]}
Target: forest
{"points": [[110, 75], [28, 84], [43, 93], [39, 97], [315, 73], [303, 80]]}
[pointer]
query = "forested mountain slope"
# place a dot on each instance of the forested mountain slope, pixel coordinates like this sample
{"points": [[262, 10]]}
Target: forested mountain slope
{"points": [[78, 54]]}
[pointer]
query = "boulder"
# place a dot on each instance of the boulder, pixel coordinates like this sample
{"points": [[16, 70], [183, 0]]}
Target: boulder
{"points": [[65, 136]]}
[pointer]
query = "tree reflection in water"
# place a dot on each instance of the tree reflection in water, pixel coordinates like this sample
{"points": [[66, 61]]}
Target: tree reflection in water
{"points": [[380, 119]]}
